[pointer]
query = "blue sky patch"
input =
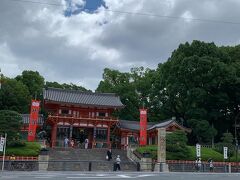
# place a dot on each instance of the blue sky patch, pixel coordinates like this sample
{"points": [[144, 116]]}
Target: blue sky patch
{"points": [[90, 7]]}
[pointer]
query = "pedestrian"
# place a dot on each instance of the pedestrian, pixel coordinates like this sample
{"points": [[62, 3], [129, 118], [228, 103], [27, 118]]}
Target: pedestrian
{"points": [[196, 164], [12, 159], [66, 141], [199, 164], [109, 154], [210, 161], [86, 143], [72, 143], [118, 161]]}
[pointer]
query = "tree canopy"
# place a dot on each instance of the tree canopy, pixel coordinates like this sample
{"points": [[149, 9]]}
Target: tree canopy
{"points": [[199, 85], [11, 123]]}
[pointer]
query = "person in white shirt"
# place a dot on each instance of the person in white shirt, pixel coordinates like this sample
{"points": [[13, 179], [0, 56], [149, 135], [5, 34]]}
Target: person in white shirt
{"points": [[118, 161], [86, 143]]}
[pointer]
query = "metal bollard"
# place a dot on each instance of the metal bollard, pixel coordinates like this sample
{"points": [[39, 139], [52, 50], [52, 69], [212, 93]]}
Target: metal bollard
{"points": [[138, 166], [90, 166]]}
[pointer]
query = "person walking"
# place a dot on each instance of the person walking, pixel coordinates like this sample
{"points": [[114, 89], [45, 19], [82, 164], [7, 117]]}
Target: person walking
{"points": [[109, 154], [86, 143], [199, 164], [196, 164], [66, 141], [72, 143], [118, 161], [210, 161]]}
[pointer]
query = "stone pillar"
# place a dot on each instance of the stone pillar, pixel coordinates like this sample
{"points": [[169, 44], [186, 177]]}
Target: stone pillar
{"points": [[54, 135], [70, 132], [161, 153]]}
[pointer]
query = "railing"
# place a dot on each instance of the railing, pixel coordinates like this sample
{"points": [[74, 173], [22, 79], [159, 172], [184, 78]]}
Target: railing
{"points": [[68, 165], [191, 166], [82, 116], [77, 144], [21, 158], [108, 166]]}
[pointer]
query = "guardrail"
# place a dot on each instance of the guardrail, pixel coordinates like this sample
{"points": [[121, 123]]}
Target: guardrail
{"points": [[109, 166], [21, 158], [68, 165], [191, 166]]}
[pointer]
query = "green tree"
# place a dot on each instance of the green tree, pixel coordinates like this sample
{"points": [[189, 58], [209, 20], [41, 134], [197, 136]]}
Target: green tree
{"points": [[176, 145], [227, 138], [14, 95], [11, 123], [34, 82], [70, 86], [196, 83], [133, 87]]}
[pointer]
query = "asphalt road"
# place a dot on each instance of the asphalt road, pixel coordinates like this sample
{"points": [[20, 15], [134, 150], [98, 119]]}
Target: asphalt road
{"points": [[117, 175]]}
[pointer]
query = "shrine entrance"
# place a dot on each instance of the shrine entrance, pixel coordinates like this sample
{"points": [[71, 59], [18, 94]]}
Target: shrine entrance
{"points": [[80, 134]]}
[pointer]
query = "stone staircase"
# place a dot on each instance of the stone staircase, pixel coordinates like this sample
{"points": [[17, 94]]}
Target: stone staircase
{"points": [[68, 159]]}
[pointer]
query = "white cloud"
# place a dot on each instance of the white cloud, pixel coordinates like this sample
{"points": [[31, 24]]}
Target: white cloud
{"points": [[77, 48]]}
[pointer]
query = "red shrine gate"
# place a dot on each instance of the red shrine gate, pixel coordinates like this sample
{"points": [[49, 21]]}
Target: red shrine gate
{"points": [[80, 115]]}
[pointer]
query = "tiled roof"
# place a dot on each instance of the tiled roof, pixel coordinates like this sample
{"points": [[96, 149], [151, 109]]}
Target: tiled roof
{"points": [[162, 124], [135, 125], [132, 125], [82, 98], [25, 118]]}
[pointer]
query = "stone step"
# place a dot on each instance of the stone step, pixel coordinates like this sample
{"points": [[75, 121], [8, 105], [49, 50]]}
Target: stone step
{"points": [[70, 159]]}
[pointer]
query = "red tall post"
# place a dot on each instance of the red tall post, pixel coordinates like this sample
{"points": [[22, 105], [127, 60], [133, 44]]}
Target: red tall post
{"points": [[108, 136], [143, 127], [33, 120]]}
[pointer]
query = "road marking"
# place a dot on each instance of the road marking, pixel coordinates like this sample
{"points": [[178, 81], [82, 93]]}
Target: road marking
{"points": [[145, 175], [124, 176], [95, 177], [43, 177], [9, 177]]}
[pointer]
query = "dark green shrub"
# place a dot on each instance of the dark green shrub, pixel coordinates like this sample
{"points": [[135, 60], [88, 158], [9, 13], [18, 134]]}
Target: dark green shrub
{"points": [[177, 146], [17, 143]]}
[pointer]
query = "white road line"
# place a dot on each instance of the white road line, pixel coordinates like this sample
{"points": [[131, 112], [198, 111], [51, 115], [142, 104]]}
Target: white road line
{"points": [[124, 176], [9, 177], [145, 175], [43, 177], [94, 177]]}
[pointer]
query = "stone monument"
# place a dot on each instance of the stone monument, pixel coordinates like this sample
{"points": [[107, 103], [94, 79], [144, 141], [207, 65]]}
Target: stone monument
{"points": [[161, 153]]}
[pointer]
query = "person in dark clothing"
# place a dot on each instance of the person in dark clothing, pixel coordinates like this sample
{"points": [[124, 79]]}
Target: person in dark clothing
{"points": [[109, 154]]}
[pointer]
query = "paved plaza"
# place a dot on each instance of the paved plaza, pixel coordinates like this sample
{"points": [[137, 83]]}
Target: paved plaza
{"points": [[118, 175]]}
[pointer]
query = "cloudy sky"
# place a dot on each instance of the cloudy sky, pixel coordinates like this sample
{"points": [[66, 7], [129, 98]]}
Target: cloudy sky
{"points": [[74, 40]]}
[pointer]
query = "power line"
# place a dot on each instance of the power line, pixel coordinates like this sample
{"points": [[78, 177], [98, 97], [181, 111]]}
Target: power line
{"points": [[137, 13]]}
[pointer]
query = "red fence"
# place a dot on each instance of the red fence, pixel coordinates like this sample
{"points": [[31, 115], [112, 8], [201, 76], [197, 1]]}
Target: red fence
{"points": [[192, 162], [21, 158]]}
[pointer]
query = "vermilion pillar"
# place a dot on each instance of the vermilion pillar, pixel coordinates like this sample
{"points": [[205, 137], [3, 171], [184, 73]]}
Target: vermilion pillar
{"points": [[108, 136], [54, 135], [143, 127]]}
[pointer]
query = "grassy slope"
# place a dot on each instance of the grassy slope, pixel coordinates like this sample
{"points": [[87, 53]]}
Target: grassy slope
{"points": [[206, 153]]}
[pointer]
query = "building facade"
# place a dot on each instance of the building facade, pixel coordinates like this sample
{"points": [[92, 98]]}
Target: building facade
{"points": [[80, 115]]}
